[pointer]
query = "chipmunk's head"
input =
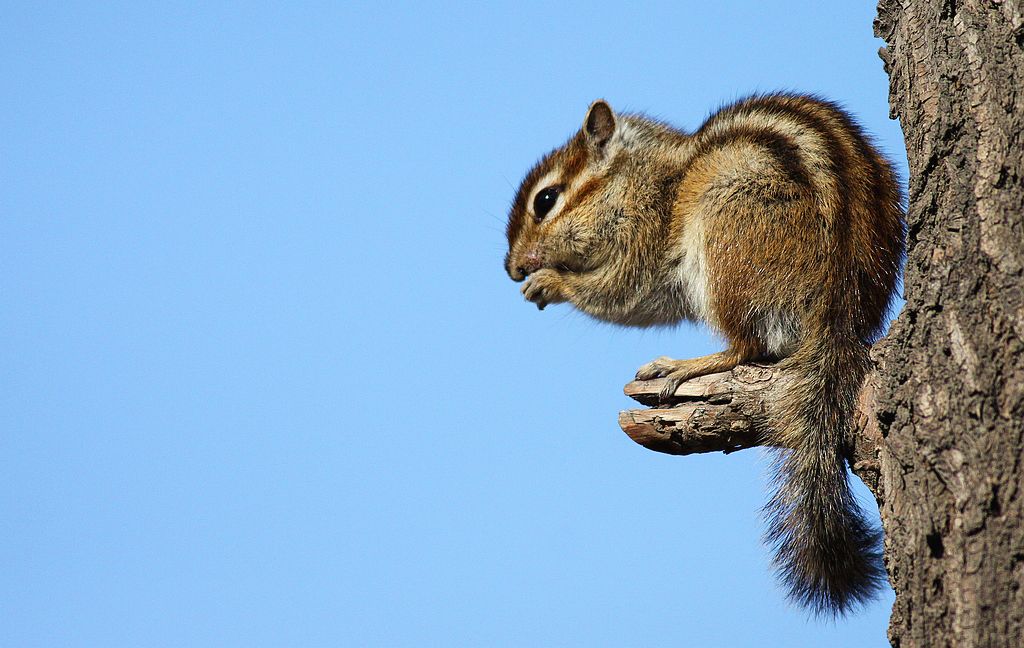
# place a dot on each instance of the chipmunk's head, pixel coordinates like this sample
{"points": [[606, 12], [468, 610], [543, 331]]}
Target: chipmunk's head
{"points": [[561, 215]]}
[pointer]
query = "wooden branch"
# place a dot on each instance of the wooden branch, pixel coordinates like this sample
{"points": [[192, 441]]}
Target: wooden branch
{"points": [[718, 412], [728, 411]]}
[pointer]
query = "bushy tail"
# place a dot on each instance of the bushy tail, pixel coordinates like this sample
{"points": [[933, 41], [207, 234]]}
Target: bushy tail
{"points": [[826, 553]]}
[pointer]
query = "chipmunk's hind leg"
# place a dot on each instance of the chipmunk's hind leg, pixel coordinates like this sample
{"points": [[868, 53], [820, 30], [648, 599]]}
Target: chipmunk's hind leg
{"points": [[677, 372]]}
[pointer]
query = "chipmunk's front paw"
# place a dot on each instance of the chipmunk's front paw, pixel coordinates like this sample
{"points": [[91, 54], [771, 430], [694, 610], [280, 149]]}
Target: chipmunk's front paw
{"points": [[543, 287]]}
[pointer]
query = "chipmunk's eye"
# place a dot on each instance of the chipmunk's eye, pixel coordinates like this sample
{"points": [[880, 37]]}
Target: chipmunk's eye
{"points": [[544, 201]]}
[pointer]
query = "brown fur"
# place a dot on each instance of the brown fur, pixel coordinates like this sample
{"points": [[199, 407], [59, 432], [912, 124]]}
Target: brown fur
{"points": [[777, 224]]}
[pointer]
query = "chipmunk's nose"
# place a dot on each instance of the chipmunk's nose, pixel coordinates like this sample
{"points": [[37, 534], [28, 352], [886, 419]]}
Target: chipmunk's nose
{"points": [[514, 271], [530, 263], [519, 269]]}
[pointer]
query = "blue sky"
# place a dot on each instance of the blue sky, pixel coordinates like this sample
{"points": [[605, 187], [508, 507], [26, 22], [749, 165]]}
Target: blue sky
{"points": [[264, 380]]}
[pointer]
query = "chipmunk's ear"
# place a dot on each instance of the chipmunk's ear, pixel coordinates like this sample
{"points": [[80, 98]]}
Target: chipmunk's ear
{"points": [[599, 126]]}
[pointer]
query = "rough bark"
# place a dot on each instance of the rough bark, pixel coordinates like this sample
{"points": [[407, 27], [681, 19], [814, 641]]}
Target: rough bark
{"points": [[939, 436], [951, 388]]}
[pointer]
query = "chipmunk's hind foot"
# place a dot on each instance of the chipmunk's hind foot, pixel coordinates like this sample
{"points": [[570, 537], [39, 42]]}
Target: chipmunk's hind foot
{"points": [[676, 372]]}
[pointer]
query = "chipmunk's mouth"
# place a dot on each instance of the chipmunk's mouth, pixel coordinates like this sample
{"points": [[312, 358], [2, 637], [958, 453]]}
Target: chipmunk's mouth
{"points": [[566, 267], [520, 268], [577, 265]]}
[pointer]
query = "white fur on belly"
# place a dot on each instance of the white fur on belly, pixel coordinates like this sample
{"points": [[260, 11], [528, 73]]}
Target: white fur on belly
{"points": [[692, 273], [779, 330]]}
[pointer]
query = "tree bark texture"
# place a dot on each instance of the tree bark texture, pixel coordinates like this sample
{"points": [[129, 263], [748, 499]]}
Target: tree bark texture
{"points": [[950, 379]]}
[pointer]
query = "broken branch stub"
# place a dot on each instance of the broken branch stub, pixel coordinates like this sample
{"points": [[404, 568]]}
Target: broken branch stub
{"points": [[729, 411], [721, 412]]}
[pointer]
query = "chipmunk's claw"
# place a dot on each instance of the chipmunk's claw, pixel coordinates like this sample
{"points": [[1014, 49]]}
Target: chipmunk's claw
{"points": [[675, 373], [657, 368], [672, 382]]}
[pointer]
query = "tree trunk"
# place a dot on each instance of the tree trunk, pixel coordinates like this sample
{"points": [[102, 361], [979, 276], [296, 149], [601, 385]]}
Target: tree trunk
{"points": [[950, 396]]}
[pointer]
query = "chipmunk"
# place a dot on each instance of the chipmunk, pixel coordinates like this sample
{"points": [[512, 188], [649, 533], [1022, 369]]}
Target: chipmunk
{"points": [[778, 225]]}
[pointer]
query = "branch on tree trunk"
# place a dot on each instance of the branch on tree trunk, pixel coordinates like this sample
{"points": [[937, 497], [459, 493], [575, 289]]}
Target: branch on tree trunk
{"points": [[729, 411]]}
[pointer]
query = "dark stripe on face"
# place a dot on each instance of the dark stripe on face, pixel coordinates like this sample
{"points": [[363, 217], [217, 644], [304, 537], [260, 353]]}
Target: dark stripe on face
{"points": [[574, 161], [571, 158], [519, 213], [588, 187]]}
